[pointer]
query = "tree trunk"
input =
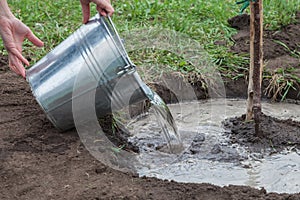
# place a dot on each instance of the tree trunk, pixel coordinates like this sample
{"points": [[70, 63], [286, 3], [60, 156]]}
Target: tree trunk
{"points": [[256, 64]]}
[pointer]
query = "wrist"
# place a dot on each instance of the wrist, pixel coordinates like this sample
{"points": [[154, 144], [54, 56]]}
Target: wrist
{"points": [[4, 10]]}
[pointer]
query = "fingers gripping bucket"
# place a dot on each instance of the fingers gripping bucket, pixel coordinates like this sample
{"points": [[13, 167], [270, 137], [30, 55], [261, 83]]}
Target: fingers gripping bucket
{"points": [[96, 53]]}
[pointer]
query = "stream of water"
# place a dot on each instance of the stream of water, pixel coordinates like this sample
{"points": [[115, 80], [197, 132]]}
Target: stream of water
{"points": [[166, 122], [214, 160]]}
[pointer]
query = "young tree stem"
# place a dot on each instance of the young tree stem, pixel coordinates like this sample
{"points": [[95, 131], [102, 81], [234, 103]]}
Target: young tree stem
{"points": [[256, 64]]}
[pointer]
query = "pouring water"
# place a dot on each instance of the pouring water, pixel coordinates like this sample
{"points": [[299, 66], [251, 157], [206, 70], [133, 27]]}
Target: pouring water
{"points": [[166, 122]]}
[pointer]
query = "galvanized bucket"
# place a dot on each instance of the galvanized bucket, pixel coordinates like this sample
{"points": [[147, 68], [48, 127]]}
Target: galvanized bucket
{"points": [[95, 49]]}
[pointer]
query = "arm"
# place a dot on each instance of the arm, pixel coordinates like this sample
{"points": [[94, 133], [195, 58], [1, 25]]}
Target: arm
{"points": [[13, 33]]}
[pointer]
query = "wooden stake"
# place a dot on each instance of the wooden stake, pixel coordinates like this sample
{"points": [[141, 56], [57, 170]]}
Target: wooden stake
{"points": [[256, 64]]}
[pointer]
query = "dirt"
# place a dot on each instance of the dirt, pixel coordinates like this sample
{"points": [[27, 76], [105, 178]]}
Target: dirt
{"points": [[281, 53], [279, 49], [275, 135], [39, 162]]}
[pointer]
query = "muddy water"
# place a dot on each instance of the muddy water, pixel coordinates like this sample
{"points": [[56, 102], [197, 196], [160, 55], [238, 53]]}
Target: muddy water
{"points": [[209, 156]]}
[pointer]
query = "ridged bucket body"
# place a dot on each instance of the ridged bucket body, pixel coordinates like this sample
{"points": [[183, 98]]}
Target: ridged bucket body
{"points": [[92, 54]]}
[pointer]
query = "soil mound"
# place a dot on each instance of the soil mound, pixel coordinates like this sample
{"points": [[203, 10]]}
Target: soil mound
{"points": [[275, 135], [279, 54]]}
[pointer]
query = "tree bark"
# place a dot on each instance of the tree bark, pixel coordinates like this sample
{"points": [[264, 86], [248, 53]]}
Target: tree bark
{"points": [[256, 64]]}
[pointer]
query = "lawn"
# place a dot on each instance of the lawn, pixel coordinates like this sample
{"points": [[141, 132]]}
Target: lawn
{"points": [[203, 21]]}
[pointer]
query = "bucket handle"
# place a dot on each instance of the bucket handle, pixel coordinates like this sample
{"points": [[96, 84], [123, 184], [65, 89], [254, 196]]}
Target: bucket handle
{"points": [[130, 65]]}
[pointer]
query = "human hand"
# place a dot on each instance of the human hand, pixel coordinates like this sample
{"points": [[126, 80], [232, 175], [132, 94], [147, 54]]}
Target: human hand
{"points": [[103, 7], [13, 33]]}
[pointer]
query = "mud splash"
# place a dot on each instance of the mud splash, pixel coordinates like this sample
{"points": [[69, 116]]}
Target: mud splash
{"points": [[210, 154]]}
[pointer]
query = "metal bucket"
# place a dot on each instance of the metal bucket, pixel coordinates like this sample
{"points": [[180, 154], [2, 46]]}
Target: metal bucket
{"points": [[95, 49]]}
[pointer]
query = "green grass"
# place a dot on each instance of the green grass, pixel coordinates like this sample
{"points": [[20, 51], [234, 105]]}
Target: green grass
{"points": [[203, 21]]}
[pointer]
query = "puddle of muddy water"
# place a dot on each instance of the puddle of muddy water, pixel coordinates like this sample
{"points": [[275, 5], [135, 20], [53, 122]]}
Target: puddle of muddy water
{"points": [[208, 155]]}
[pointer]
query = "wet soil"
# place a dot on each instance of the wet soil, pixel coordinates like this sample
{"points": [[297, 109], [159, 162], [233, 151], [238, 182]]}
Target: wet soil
{"points": [[275, 135], [39, 162]]}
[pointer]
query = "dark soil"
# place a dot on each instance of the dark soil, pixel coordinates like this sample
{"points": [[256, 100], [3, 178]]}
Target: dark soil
{"points": [[276, 54], [39, 162], [275, 135]]}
